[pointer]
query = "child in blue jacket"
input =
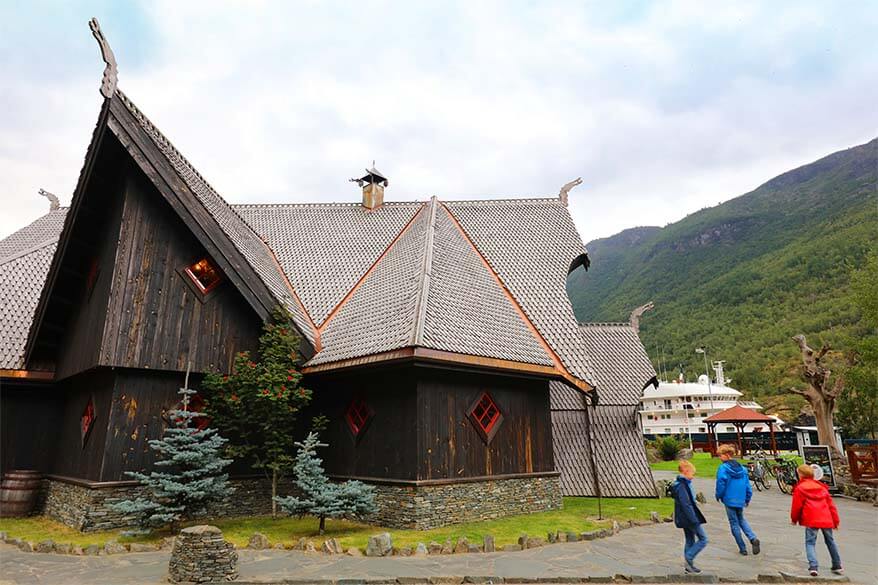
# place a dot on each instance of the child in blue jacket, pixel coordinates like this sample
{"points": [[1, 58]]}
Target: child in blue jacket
{"points": [[734, 491], [687, 515]]}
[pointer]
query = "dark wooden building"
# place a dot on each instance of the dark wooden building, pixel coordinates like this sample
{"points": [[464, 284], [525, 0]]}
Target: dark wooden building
{"points": [[431, 330]]}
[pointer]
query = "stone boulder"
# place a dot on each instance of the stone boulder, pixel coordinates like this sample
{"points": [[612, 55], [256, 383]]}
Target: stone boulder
{"points": [[488, 543], [258, 541], [331, 546], [379, 545], [201, 554], [420, 550], [434, 548], [45, 546], [114, 548], [462, 545], [354, 552]]}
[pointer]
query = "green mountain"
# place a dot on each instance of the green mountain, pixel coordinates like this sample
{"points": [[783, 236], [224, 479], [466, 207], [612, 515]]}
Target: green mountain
{"points": [[745, 276]]}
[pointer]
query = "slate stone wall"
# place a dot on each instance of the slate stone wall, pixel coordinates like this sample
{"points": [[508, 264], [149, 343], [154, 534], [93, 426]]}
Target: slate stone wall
{"points": [[432, 506], [88, 508], [421, 507]]}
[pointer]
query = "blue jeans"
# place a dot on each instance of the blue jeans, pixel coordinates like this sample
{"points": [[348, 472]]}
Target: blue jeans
{"points": [[811, 553], [693, 546], [737, 523]]}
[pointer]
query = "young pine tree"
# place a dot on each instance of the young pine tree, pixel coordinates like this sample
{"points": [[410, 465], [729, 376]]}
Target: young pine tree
{"points": [[319, 496], [188, 473]]}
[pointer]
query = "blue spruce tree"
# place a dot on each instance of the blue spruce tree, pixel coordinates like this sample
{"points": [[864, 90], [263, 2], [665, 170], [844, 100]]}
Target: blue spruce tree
{"points": [[189, 472], [319, 496]]}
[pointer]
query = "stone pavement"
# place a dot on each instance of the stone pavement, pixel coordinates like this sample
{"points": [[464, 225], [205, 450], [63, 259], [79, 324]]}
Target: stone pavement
{"points": [[647, 550]]}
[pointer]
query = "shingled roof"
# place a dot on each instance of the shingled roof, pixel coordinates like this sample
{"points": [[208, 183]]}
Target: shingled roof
{"points": [[621, 370], [478, 279], [24, 262]]}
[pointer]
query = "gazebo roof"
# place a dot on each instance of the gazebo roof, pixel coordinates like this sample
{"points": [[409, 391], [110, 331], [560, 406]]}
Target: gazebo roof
{"points": [[738, 413]]}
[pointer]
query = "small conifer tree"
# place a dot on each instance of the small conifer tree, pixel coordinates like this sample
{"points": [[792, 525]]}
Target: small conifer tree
{"points": [[189, 472], [319, 496]]}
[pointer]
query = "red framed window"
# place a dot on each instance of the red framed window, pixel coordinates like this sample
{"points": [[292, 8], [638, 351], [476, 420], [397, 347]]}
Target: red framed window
{"points": [[357, 415], [204, 274], [196, 404], [86, 421], [486, 416]]}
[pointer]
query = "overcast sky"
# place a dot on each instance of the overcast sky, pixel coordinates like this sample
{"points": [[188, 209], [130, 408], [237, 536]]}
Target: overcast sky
{"points": [[661, 108]]}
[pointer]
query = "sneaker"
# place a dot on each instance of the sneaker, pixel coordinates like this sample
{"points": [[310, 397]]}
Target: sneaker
{"points": [[813, 571], [755, 543], [838, 571], [743, 552], [691, 569]]}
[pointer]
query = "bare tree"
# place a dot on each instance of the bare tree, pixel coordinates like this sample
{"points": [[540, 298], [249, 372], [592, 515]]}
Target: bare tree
{"points": [[819, 394]]}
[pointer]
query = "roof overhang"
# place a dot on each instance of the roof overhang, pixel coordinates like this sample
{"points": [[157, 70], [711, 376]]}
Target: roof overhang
{"points": [[422, 354]]}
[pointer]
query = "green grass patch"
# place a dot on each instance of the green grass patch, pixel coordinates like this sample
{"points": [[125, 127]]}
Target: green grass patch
{"points": [[706, 465], [577, 515]]}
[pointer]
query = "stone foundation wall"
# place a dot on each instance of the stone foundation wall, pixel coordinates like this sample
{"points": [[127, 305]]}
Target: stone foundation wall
{"points": [[87, 508], [431, 506]]}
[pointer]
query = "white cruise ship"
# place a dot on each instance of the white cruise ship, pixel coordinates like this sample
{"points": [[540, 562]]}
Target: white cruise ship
{"points": [[679, 408]]}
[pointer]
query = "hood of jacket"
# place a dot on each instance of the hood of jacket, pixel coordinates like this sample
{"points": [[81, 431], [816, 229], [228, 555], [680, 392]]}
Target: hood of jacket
{"points": [[814, 490], [734, 469]]}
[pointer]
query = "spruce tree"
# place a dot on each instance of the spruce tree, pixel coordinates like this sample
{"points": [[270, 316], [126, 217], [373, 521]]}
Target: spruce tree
{"points": [[319, 496], [189, 472]]}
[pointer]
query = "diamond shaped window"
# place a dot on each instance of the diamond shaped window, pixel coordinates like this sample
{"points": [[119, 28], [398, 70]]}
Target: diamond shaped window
{"points": [[486, 416], [357, 415]]}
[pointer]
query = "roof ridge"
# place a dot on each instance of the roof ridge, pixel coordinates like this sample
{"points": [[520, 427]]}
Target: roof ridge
{"points": [[28, 251], [320, 204], [559, 365], [604, 324], [425, 277], [335, 310]]}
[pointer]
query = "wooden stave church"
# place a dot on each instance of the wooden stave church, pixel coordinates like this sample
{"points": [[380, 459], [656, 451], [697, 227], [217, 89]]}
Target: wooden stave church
{"points": [[103, 311]]}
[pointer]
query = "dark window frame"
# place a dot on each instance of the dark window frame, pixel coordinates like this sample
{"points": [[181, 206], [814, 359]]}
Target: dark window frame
{"points": [[486, 432]]}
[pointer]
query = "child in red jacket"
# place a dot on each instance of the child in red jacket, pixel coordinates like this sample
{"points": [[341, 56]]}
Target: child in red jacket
{"points": [[814, 509]]}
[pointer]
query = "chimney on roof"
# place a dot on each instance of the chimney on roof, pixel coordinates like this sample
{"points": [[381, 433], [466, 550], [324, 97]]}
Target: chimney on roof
{"points": [[373, 184]]}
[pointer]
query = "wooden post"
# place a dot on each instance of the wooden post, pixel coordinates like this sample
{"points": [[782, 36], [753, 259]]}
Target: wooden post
{"points": [[773, 440], [711, 427], [738, 428]]}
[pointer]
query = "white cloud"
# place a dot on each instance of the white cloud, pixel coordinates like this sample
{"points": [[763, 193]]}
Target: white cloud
{"points": [[662, 113]]}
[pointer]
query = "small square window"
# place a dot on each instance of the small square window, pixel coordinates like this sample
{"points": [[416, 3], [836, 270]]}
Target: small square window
{"points": [[358, 415], [86, 421], [486, 416], [204, 274]]}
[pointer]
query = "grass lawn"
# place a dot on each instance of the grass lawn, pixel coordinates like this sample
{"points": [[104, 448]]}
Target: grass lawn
{"points": [[577, 515], [706, 465]]}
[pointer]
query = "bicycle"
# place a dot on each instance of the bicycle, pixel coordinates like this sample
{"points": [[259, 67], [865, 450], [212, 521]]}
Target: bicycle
{"points": [[756, 472], [785, 474]]}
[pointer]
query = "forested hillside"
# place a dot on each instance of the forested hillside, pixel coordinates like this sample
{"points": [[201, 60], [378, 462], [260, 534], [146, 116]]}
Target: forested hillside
{"points": [[745, 276]]}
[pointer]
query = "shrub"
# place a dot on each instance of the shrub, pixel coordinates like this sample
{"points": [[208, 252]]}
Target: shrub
{"points": [[668, 447]]}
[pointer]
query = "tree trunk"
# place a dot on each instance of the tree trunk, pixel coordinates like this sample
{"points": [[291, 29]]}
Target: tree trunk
{"points": [[819, 394], [273, 493], [322, 525], [825, 427]]}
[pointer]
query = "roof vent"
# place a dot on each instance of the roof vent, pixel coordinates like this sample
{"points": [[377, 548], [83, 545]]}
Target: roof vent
{"points": [[373, 184]]}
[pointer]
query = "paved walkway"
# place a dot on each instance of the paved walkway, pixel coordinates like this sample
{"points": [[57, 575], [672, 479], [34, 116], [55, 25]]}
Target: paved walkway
{"points": [[647, 550]]}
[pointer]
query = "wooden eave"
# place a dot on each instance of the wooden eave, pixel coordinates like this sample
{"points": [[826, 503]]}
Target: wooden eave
{"points": [[423, 354], [33, 375]]}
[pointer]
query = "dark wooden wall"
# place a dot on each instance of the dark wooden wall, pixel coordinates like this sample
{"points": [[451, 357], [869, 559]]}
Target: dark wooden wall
{"points": [[155, 319], [72, 459], [30, 414], [137, 414], [387, 448], [449, 445], [70, 336]]}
